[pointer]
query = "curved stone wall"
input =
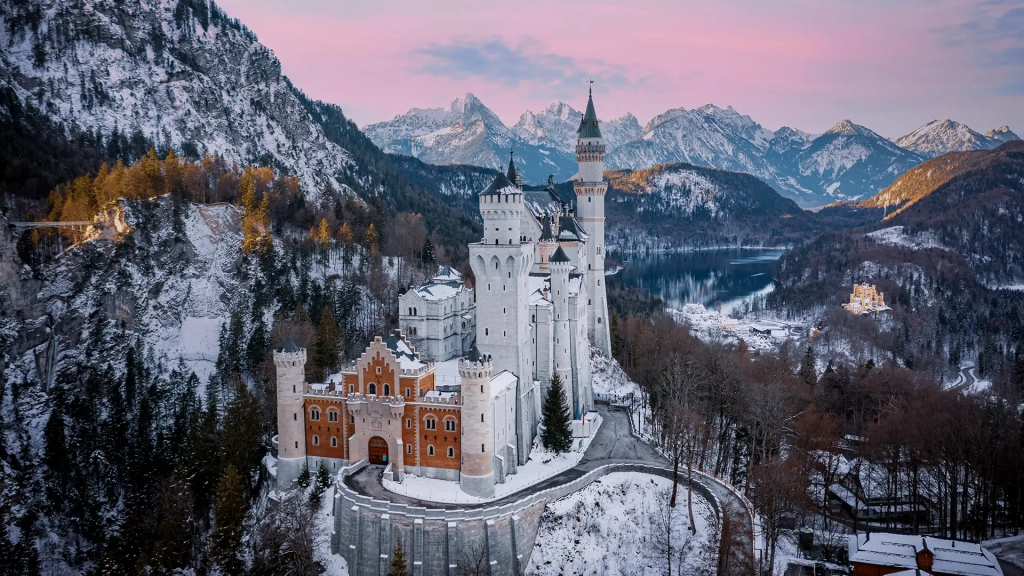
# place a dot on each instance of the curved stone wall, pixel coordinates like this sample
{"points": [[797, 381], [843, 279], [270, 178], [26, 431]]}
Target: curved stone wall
{"points": [[438, 540]]}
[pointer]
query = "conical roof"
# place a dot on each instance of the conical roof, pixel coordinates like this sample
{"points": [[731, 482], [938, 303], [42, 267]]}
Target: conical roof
{"points": [[511, 173], [588, 126], [474, 355], [547, 234], [499, 185], [559, 256], [289, 346]]}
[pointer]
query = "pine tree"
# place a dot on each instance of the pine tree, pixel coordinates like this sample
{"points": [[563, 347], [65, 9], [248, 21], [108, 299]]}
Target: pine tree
{"points": [[808, 372], [327, 341], [428, 252], [323, 480], [229, 518], [557, 434], [304, 477], [399, 565]]}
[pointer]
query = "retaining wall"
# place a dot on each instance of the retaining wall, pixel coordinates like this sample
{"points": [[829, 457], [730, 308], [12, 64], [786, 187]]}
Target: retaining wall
{"points": [[437, 540]]}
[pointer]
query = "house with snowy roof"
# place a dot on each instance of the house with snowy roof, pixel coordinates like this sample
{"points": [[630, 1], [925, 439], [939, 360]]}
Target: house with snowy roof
{"points": [[882, 554]]}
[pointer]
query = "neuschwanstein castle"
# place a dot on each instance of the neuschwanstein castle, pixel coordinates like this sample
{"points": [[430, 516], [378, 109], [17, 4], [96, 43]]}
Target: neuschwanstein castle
{"points": [[456, 392]]}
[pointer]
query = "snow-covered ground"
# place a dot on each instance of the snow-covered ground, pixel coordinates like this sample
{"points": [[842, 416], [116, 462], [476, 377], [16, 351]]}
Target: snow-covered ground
{"points": [[897, 236], [621, 524], [1009, 549], [758, 333], [609, 379], [541, 466]]}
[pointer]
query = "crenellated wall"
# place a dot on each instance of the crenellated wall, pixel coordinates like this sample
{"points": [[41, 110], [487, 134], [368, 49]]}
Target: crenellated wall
{"points": [[439, 540]]}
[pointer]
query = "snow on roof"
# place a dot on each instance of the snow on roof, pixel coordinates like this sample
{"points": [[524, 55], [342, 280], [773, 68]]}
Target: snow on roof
{"points": [[447, 274], [441, 395], [537, 284], [575, 284], [501, 381], [439, 291], [900, 551]]}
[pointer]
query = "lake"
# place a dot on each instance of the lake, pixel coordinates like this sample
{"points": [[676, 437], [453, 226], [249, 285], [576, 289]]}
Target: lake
{"points": [[728, 276]]}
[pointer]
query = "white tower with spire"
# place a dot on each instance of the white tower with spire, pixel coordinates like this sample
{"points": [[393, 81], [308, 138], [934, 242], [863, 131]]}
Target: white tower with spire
{"points": [[590, 190]]}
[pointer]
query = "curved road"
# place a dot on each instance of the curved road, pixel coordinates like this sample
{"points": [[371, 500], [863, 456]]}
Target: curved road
{"points": [[614, 443]]}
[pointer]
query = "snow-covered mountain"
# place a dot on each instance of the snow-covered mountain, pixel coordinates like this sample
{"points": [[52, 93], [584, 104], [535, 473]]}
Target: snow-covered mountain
{"points": [[1003, 134], [556, 127], [178, 74], [939, 137], [706, 136], [468, 132]]}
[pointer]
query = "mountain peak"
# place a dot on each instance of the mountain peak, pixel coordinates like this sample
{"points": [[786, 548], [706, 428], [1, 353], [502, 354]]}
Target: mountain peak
{"points": [[1003, 134], [846, 128]]}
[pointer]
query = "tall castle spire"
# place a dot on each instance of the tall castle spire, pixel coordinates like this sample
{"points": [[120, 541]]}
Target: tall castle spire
{"points": [[513, 174]]}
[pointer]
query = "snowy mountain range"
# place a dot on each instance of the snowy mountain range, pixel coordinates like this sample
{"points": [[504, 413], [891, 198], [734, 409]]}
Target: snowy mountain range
{"points": [[939, 137], [177, 74], [846, 162]]}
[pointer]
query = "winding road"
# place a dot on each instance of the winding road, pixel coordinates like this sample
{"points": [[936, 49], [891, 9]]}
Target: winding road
{"points": [[614, 443]]}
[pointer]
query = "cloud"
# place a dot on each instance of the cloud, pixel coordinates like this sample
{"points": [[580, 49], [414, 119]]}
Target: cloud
{"points": [[525, 64]]}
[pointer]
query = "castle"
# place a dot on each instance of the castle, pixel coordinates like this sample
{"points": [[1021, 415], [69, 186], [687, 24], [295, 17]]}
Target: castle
{"points": [[412, 404], [865, 300]]}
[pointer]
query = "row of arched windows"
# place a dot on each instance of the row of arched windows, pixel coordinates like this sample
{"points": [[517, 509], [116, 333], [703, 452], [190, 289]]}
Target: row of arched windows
{"points": [[334, 441]]}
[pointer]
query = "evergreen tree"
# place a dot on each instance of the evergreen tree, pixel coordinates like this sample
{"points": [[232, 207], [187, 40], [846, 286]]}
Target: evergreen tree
{"points": [[428, 252], [229, 520], [242, 434], [808, 371], [320, 485], [557, 434], [399, 565], [304, 477], [327, 341]]}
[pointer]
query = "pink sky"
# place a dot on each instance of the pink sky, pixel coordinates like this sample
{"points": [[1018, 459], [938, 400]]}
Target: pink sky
{"points": [[891, 65]]}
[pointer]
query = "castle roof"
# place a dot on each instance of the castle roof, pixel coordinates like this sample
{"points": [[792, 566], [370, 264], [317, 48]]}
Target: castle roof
{"points": [[588, 126], [500, 185], [475, 355], [559, 256], [406, 355], [288, 346], [547, 234], [511, 173], [569, 229]]}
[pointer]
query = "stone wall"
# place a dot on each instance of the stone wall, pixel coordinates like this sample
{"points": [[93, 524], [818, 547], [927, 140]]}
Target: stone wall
{"points": [[438, 541]]}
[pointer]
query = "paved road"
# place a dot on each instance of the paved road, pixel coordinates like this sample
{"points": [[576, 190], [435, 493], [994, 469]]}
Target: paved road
{"points": [[1010, 569], [614, 443]]}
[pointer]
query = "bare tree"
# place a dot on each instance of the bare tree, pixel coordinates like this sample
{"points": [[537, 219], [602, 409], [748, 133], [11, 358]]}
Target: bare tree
{"points": [[780, 489], [471, 559]]}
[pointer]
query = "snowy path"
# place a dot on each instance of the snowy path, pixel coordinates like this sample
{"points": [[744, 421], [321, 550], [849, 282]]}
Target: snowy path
{"points": [[614, 444]]}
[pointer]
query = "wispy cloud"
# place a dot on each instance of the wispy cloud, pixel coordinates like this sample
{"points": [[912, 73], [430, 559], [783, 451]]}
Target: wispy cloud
{"points": [[995, 33], [524, 64]]}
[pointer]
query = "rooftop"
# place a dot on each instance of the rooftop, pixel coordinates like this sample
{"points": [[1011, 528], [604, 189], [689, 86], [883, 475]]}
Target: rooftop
{"points": [[900, 551]]}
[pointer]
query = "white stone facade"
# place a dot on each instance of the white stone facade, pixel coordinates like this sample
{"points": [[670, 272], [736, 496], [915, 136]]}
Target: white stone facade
{"points": [[440, 316]]}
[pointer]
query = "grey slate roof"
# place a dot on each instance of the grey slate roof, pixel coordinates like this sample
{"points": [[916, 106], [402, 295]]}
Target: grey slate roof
{"points": [[559, 256], [588, 126], [498, 186], [511, 173], [289, 346], [547, 234]]}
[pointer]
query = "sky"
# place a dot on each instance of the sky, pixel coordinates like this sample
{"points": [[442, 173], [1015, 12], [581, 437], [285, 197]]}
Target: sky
{"points": [[890, 65]]}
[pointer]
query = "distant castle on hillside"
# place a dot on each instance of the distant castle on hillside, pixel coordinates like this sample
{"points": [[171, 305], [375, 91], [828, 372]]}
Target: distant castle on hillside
{"points": [[865, 300], [538, 305]]}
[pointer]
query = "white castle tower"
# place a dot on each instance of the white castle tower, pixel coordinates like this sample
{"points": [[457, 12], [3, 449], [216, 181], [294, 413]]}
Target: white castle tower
{"points": [[501, 263], [477, 472], [290, 361], [590, 189], [561, 357]]}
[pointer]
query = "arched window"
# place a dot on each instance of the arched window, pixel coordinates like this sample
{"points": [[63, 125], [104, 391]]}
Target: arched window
{"points": [[449, 424], [451, 452], [387, 390], [314, 414], [334, 442], [332, 415], [373, 388], [408, 448], [316, 440], [430, 423], [430, 450]]}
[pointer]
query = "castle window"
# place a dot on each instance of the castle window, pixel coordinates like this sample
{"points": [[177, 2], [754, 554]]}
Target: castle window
{"points": [[293, 388], [351, 418], [296, 444], [378, 369], [387, 390], [373, 387], [332, 415], [449, 425], [495, 265], [351, 388], [334, 442], [316, 440], [589, 302], [295, 416], [431, 423], [481, 417], [408, 422], [482, 449], [589, 199], [430, 450], [408, 448], [407, 395], [314, 414], [487, 331], [451, 452]]}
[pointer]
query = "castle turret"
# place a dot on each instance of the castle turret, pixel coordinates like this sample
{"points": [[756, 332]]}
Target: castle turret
{"points": [[546, 245], [590, 190], [290, 361], [562, 359], [477, 473]]}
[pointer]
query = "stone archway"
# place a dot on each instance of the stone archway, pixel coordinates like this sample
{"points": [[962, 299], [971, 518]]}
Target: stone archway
{"points": [[378, 450]]}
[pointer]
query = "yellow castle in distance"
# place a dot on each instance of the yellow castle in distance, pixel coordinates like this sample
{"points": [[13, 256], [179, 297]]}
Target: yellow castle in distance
{"points": [[865, 300]]}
